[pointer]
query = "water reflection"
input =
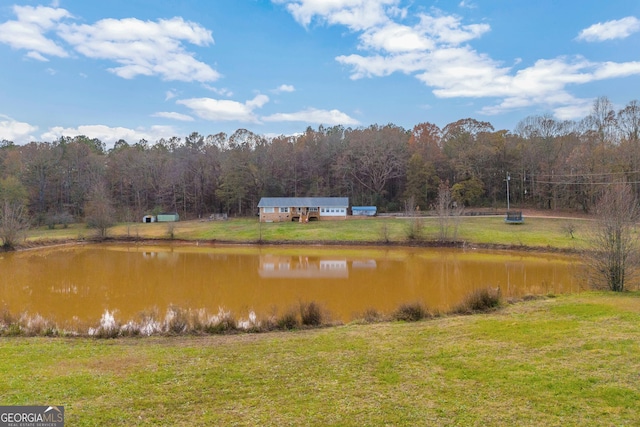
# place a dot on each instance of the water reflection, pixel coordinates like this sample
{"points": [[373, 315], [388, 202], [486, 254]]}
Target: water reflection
{"points": [[77, 284], [302, 267]]}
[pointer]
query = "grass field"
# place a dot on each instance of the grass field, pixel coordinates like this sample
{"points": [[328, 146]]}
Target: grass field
{"points": [[566, 361], [536, 232]]}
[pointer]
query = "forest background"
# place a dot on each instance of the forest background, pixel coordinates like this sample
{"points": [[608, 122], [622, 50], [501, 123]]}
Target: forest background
{"points": [[548, 164]]}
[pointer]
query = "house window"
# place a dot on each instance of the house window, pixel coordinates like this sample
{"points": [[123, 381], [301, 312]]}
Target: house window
{"points": [[284, 210], [268, 210], [313, 209], [322, 210]]}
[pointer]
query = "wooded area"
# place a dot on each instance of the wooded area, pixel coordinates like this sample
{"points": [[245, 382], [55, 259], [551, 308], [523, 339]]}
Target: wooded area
{"points": [[550, 164]]}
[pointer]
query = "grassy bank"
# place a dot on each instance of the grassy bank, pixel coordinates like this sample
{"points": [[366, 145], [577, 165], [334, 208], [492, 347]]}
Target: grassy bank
{"points": [[536, 232], [570, 360]]}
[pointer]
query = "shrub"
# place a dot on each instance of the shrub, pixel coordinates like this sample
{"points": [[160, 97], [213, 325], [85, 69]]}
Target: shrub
{"points": [[372, 315], [131, 329], [480, 300], [108, 328], [311, 314], [54, 218], [37, 325], [224, 325], [149, 324], [221, 323], [13, 330], [177, 320], [6, 318], [288, 321], [412, 312], [415, 229], [252, 324], [385, 234], [171, 230]]}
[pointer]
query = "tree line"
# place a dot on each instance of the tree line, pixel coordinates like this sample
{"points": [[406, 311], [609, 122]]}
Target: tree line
{"points": [[548, 163]]}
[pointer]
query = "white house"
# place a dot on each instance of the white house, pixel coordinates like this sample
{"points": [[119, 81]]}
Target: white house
{"points": [[302, 209]]}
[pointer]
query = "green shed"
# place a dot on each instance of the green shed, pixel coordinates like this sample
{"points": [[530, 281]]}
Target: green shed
{"points": [[168, 217]]}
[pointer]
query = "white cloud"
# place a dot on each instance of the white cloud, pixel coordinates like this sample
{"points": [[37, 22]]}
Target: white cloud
{"points": [[312, 115], [109, 135], [436, 49], [284, 88], [18, 132], [381, 65], [448, 29], [173, 116], [610, 70], [356, 14], [150, 48], [37, 56], [170, 94], [220, 91], [28, 31], [224, 109], [610, 30], [258, 101], [144, 47], [580, 109], [393, 37]]}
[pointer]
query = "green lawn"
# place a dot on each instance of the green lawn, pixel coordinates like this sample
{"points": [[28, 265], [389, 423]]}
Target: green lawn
{"points": [[563, 361], [566, 361], [544, 233]]}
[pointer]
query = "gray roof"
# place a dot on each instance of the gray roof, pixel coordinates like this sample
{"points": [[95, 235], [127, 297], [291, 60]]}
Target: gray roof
{"points": [[304, 202]]}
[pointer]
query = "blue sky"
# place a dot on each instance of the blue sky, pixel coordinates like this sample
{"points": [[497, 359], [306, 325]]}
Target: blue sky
{"points": [[160, 68]]}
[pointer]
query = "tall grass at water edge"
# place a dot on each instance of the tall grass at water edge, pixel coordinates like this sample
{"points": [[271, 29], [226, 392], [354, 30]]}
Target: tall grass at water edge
{"points": [[180, 321]]}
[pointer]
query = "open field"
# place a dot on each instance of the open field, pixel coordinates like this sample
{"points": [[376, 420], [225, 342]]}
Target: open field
{"points": [[571, 360], [536, 232]]}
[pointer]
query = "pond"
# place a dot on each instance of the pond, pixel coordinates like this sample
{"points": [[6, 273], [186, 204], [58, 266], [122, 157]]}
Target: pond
{"points": [[75, 285]]}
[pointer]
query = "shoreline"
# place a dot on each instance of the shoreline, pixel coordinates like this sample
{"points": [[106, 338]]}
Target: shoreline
{"points": [[460, 244]]}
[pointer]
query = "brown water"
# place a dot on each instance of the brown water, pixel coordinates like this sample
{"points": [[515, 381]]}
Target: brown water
{"points": [[75, 285]]}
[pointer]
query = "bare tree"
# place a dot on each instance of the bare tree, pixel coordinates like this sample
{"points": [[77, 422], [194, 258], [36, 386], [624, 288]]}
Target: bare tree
{"points": [[614, 243], [13, 222], [414, 231], [448, 214], [99, 210], [13, 213]]}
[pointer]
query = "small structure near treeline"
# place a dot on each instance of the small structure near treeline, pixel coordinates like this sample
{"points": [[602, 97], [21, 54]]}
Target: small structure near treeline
{"points": [[514, 217], [148, 219], [162, 217], [218, 217], [364, 211]]}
